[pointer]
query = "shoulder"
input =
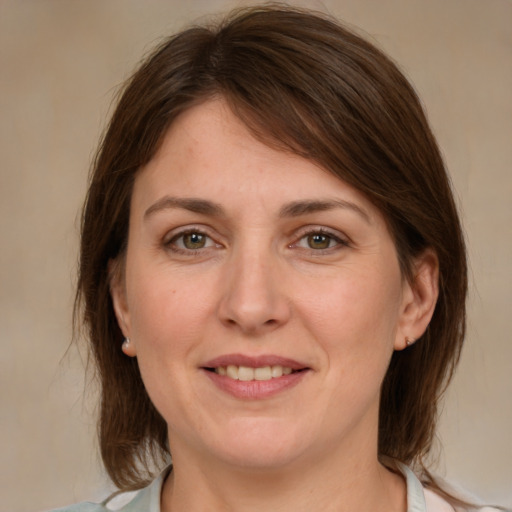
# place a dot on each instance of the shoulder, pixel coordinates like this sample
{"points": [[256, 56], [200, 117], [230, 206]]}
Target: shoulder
{"points": [[436, 503], [123, 502], [117, 503], [147, 499], [424, 499], [86, 506]]}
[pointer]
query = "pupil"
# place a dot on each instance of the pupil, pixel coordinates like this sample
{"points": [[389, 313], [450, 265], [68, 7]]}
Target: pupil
{"points": [[318, 241], [194, 241]]}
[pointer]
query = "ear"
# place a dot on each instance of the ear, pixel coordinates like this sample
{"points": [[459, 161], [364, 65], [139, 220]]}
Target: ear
{"points": [[419, 299], [121, 310]]}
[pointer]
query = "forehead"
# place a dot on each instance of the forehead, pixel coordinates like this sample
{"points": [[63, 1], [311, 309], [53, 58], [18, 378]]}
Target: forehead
{"points": [[209, 152], [208, 138]]}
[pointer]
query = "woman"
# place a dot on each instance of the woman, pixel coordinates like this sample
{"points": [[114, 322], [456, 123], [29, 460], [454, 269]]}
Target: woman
{"points": [[272, 274]]}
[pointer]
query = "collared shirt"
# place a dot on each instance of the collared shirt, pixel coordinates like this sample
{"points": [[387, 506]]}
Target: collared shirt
{"points": [[419, 499]]}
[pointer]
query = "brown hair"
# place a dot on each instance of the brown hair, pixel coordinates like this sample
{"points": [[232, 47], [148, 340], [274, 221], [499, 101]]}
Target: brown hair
{"points": [[302, 83]]}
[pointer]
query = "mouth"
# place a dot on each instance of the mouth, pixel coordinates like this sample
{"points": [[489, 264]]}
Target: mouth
{"points": [[254, 377], [247, 374]]}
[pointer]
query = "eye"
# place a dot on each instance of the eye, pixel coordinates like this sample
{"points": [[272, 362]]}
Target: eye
{"points": [[193, 240], [190, 241], [320, 240]]}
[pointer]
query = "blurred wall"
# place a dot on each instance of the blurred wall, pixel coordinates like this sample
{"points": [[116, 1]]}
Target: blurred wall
{"points": [[60, 63]]}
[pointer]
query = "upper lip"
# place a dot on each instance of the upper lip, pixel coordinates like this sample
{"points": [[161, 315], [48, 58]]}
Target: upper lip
{"points": [[254, 361]]}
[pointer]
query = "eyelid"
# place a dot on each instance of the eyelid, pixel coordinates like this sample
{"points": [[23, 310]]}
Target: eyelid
{"points": [[177, 233], [341, 239]]}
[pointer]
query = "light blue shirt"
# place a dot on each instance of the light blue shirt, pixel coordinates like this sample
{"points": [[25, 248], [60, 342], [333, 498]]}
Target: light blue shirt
{"points": [[148, 499]]}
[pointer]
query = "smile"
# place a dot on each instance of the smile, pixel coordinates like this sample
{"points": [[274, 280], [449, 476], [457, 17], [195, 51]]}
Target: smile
{"points": [[246, 373], [252, 378]]}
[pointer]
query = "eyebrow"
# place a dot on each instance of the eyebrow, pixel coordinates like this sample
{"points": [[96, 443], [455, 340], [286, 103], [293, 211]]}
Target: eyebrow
{"points": [[298, 208], [202, 206], [293, 209]]}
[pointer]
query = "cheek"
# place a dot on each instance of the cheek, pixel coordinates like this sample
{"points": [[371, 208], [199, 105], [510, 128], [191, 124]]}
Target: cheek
{"points": [[168, 325], [360, 309], [167, 313], [354, 321]]}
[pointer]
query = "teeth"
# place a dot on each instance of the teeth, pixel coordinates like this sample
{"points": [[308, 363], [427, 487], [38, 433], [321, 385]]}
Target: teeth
{"points": [[231, 372], [277, 371], [264, 373], [244, 373]]}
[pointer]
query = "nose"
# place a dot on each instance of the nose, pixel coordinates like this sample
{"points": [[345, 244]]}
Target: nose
{"points": [[254, 298]]}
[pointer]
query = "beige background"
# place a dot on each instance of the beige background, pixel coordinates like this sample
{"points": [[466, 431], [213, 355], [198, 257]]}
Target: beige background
{"points": [[60, 63]]}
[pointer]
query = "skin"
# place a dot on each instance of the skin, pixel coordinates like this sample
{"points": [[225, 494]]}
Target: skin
{"points": [[261, 284]]}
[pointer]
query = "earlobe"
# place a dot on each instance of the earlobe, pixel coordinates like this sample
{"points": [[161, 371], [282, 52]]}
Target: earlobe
{"points": [[128, 348], [420, 298], [119, 302]]}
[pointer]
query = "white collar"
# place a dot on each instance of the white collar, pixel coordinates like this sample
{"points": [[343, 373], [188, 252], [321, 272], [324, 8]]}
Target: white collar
{"points": [[148, 499]]}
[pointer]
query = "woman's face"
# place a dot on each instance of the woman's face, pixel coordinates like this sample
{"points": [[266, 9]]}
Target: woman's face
{"points": [[244, 264]]}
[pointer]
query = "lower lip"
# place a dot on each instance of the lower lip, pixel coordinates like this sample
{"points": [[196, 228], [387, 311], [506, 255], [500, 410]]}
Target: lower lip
{"points": [[256, 389]]}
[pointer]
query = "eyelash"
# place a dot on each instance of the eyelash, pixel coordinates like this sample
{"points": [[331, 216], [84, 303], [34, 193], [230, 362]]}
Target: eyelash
{"points": [[171, 244], [339, 242]]}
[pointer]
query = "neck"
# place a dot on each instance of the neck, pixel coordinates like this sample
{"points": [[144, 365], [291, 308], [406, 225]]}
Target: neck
{"points": [[328, 484]]}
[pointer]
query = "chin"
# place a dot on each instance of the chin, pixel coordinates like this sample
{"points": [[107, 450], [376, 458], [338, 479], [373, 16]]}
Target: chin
{"points": [[258, 457], [260, 444]]}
